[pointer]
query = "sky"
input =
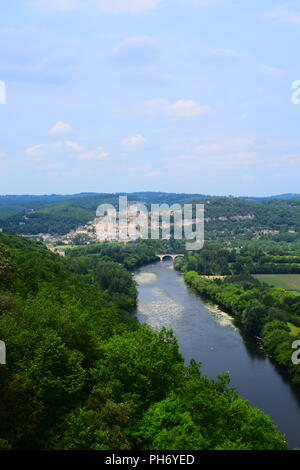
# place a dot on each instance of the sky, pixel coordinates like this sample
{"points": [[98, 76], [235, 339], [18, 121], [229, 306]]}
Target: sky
{"points": [[189, 96]]}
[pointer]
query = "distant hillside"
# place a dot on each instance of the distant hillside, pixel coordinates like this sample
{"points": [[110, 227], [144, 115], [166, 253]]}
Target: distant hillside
{"points": [[279, 196], [58, 214], [10, 205], [226, 217], [55, 218], [286, 196]]}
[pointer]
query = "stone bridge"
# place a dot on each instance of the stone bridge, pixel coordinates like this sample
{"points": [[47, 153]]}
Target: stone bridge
{"points": [[167, 255]]}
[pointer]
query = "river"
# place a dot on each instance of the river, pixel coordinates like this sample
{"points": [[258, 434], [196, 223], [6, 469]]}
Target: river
{"points": [[209, 335]]}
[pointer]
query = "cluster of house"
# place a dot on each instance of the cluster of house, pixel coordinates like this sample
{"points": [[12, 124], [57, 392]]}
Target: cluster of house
{"points": [[88, 231], [123, 226], [58, 251]]}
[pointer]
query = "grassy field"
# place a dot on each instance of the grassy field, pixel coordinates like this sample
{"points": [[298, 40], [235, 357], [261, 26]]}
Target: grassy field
{"points": [[284, 281]]}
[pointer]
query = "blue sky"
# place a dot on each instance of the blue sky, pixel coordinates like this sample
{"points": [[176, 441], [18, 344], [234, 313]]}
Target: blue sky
{"points": [[158, 95]]}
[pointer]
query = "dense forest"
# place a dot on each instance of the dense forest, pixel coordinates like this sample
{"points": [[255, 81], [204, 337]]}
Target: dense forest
{"points": [[81, 372], [131, 255], [253, 258], [226, 218], [58, 214]]}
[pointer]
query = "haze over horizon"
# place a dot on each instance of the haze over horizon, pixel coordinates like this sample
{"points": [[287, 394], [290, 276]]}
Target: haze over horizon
{"points": [[267, 196], [149, 95]]}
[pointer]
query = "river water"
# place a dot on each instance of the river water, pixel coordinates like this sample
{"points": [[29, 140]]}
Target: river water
{"points": [[209, 335]]}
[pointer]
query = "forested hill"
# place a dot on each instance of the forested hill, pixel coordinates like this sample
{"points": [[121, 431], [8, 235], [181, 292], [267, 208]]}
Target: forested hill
{"points": [[10, 205], [81, 372], [55, 218], [226, 218], [60, 214], [20, 204]]}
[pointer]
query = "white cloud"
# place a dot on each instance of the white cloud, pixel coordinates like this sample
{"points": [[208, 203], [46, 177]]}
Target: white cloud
{"points": [[2, 154], [67, 148], [178, 109], [236, 158], [109, 6], [222, 53], [74, 146], [271, 71], [36, 150], [133, 6], [71, 145], [155, 174], [199, 148], [49, 166], [241, 141], [57, 4], [287, 13], [133, 142], [98, 154], [60, 128], [289, 158], [281, 175], [205, 3], [123, 6], [204, 148], [221, 160]]}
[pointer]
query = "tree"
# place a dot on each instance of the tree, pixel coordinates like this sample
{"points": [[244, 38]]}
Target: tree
{"points": [[80, 239]]}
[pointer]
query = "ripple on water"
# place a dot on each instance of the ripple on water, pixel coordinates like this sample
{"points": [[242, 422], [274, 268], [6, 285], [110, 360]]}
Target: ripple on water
{"points": [[158, 292], [145, 278], [220, 317], [163, 311]]}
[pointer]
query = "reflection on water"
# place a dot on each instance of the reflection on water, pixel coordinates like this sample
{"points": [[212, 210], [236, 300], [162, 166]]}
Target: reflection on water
{"points": [[158, 308], [220, 317], [209, 335], [161, 312], [145, 278]]}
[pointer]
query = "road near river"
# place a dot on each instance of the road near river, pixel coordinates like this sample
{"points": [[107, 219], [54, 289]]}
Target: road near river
{"points": [[210, 336]]}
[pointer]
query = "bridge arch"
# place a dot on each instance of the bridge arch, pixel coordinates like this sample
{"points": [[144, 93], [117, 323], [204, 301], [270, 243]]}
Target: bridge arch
{"points": [[162, 256]]}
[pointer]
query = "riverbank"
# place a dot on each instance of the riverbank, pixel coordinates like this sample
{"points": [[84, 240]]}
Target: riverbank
{"points": [[260, 311], [207, 334]]}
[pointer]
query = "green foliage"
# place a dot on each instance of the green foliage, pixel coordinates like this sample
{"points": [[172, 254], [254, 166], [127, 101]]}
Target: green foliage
{"points": [[278, 342], [99, 425], [131, 255], [140, 366], [214, 259], [227, 218], [82, 374], [57, 217], [112, 277], [206, 415], [261, 311], [80, 239]]}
